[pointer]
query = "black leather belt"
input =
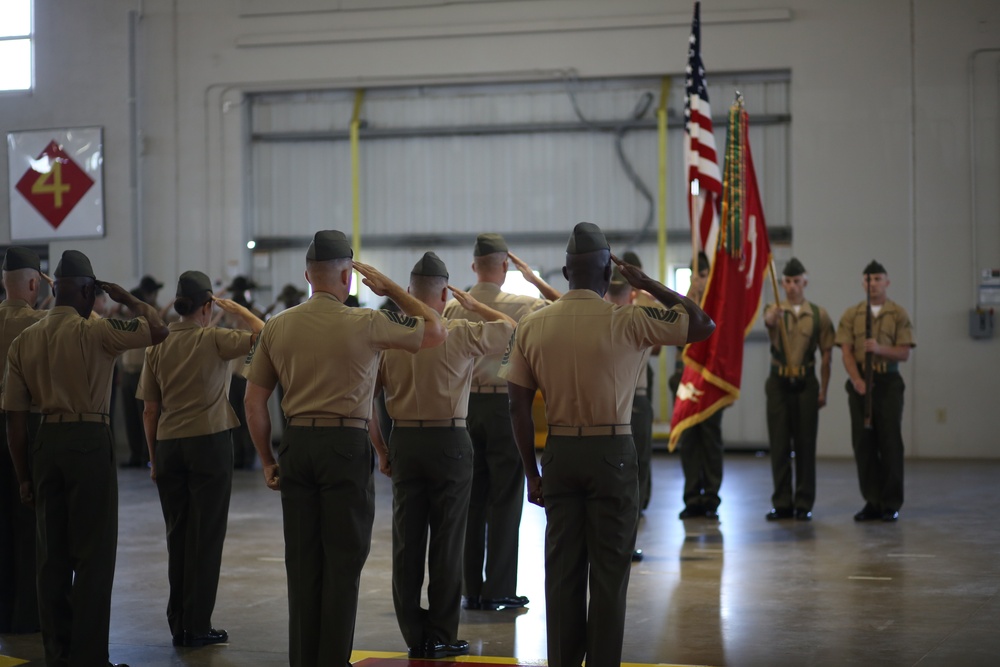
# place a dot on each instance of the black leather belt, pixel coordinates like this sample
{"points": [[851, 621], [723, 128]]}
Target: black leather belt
{"points": [[428, 423], [349, 422], [589, 431], [68, 418], [880, 368], [490, 389]]}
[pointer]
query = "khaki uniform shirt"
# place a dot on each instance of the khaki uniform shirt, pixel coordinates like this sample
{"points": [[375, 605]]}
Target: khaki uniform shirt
{"points": [[585, 354], [515, 306], [642, 383], [801, 347], [188, 375], [63, 364], [433, 384], [15, 317], [644, 298], [325, 355], [890, 327]]}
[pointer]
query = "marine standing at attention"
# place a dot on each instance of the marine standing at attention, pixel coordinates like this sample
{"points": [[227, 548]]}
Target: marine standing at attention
{"points": [[877, 436], [797, 329]]}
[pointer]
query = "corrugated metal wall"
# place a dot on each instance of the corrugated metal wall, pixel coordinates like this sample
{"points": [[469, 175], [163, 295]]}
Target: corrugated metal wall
{"points": [[519, 172], [505, 182]]}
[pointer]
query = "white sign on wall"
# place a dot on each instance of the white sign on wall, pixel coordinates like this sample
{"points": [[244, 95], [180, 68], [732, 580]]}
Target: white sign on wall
{"points": [[56, 184]]}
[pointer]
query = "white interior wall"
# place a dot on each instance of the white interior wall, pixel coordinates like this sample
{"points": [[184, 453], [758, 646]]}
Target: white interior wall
{"points": [[880, 135]]}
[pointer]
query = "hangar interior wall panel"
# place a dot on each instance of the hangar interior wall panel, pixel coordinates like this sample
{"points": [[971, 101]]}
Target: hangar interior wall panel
{"points": [[426, 173]]}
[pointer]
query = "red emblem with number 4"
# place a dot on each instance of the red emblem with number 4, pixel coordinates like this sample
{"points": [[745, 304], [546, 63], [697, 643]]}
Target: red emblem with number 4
{"points": [[54, 184]]}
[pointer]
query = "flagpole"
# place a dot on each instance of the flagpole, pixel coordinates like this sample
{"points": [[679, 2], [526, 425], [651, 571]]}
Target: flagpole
{"points": [[695, 200], [777, 301]]}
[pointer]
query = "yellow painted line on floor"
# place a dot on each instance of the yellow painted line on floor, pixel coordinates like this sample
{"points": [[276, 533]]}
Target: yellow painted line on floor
{"points": [[7, 661], [870, 578], [361, 655]]}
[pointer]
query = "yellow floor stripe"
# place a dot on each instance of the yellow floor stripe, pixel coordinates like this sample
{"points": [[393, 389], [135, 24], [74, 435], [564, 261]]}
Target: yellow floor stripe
{"points": [[357, 656]]}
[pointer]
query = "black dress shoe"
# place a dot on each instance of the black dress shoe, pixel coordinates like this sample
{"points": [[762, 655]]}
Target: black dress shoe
{"points": [[213, 636], [868, 513], [637, 556], [776, 514], [890, 515], [472, 603], [510, 602], [435, 649], [803, 515], [691, 513]]}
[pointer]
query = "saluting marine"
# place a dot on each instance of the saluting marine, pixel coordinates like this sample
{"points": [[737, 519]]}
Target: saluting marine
{"points": [[430, 461], [325, 354], [585, 354], [497, 498], [22, 277], [187, 419], [63, 365]]}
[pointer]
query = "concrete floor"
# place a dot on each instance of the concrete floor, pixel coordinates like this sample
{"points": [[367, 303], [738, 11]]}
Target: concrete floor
{"points": [[738, 592]]}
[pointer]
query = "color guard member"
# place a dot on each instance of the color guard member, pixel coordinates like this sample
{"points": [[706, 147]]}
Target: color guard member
{"points": [[794, 397], [700, 445], [878, 449]]}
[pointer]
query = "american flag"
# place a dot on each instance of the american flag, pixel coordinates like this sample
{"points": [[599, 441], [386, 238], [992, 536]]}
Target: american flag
{"points": [[704, 199]]}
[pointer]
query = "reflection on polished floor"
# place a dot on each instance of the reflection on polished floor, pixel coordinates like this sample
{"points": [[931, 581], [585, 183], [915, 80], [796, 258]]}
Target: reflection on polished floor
{"points": [[741, 591]]}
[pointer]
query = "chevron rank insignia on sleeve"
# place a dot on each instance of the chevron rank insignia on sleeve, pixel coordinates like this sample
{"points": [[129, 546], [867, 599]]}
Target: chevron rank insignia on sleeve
{"points": [[400, 318], [668, 316], [253, 349], [124, 325], [510, 348]]}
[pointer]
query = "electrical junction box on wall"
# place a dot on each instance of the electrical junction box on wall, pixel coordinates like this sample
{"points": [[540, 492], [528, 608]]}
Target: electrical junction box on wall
{"points": [[981, 317], [981, 323]]}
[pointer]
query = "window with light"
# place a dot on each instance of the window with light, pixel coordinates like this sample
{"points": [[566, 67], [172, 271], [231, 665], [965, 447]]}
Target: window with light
{"points": [[15, 45]]}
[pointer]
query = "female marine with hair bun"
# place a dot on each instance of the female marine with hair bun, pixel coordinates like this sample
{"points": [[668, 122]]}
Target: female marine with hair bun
{"points": [[187, 418]]}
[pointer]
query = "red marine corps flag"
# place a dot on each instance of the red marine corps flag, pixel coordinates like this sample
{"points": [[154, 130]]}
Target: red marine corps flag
{"points": [[713, 368]]}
